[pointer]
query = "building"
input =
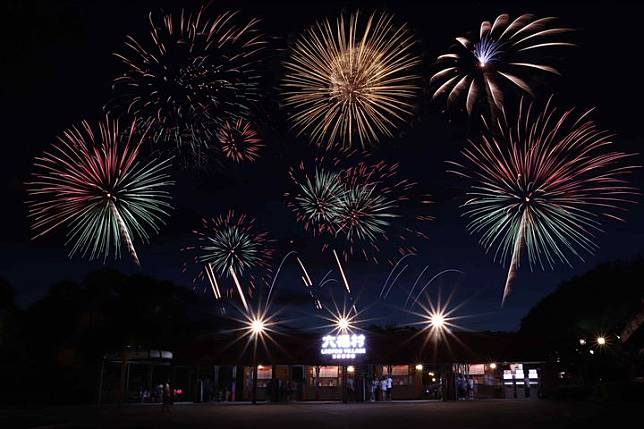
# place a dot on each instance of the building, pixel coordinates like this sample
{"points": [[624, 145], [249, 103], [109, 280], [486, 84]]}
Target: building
{"points": [[306, 367], [303, 366]]}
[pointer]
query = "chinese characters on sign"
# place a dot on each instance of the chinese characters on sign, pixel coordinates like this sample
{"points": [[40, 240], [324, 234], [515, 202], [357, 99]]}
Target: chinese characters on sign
{"points": [[343, 346]]}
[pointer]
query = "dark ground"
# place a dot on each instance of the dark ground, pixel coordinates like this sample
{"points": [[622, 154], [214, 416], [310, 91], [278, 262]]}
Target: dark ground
{"points": [[435, 415]]}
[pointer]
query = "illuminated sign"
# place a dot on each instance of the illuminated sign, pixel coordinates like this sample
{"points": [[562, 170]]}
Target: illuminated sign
{"points": [[343, 346]]}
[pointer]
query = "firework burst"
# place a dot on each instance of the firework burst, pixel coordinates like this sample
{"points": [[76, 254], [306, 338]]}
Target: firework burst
{"points": [[193, 73], [231, 247], [354, 208], [93, 183], [352, 80], [543, 184], [239, 141], [379, 207], [502, 54], [318, 196]]}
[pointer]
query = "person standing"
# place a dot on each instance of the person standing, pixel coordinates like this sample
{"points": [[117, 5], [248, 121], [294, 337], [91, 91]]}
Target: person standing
{"points": [[526, 385], [390, 383], [383, 388], [470, 387], [166, 400], [350, 389]]}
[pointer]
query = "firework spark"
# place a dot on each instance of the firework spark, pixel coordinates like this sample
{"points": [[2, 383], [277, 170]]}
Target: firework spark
{"points": [[376, 208], [543, 185], [351, 80], [93, 183], [503, 53], [318, 197], [230, 247], [354, 208], [239, 141], [194, 73]]}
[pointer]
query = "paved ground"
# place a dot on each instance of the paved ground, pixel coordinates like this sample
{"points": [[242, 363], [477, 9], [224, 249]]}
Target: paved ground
{"points": [[431, 415]]}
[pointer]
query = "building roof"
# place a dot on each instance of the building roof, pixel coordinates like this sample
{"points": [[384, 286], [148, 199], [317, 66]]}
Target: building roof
{"points": [[400, 345]]}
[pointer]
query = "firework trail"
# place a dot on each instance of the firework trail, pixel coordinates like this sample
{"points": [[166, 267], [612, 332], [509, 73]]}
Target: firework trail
{"points": [[125, 235], [212, 280], [231, 247], [429, 282], [92, 183], [239, 141], [543, 185], [193, 73], [344, 277], [414, 285], [351, 81], [395, 280], [277, 273], [503, 54], [240, 291], [393, 269]]}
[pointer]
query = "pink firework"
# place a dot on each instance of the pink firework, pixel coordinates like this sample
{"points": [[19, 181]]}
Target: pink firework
{"points": [[239, 141], [543, 184], [93, 183], [380, 207], [357, 205], [231, 247]]}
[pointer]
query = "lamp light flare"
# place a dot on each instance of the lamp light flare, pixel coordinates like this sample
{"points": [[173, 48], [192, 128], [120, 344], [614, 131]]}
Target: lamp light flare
{"points": [[343, 324], [257, 327], [437, 320]]}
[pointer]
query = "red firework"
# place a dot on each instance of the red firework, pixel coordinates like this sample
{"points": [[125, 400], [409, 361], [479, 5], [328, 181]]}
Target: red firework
{"points": [[231, 246], [359, 206], [239, 141], [93, 183], [540, 183]]}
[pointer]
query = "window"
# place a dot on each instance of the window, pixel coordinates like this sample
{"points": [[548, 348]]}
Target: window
{"points": [[477, 369], [328, 372], [264, 373], [399, 370]]}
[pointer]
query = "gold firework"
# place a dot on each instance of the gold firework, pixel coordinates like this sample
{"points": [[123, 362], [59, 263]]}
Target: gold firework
{"points": [[351, 80]]}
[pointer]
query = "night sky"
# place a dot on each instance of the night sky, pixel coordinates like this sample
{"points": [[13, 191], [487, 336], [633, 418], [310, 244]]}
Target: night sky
{"points": [[58, 68]]}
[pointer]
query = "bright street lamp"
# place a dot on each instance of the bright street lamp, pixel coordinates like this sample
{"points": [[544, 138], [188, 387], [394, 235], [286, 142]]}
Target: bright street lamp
{"points": [[257, 326], [437, 320], [343, 323]]}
